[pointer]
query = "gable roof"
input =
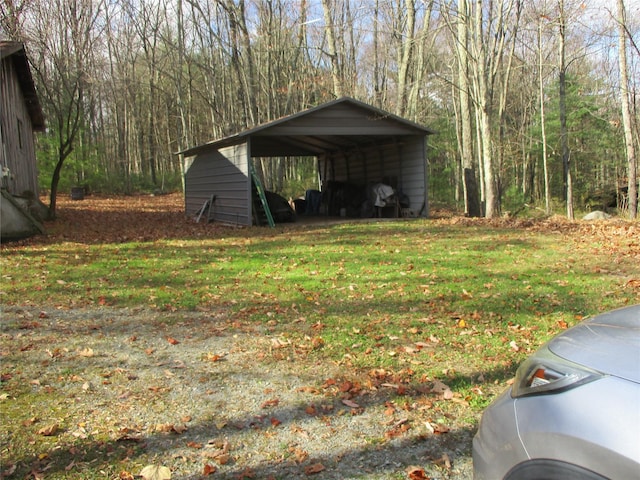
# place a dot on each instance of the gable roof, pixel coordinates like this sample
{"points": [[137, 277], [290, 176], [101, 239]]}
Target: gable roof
{"points": [[16, 51], [341, 124]]}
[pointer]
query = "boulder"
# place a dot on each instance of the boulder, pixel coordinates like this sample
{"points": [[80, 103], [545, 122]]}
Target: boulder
{"points": [[597, 215]]}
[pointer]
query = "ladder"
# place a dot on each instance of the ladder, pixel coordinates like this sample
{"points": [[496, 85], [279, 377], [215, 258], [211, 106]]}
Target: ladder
{"points": [[208, 207], [263, 206]]}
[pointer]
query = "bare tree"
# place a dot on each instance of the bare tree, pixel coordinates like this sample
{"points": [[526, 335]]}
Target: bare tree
{"points": [[63, 35]]}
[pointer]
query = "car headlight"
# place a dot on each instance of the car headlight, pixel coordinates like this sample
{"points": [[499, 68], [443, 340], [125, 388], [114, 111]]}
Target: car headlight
{"points": [[545, 373]]}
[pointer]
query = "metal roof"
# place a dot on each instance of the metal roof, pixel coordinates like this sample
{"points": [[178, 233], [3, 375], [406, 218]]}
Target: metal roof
{"points": [[339, 125]]}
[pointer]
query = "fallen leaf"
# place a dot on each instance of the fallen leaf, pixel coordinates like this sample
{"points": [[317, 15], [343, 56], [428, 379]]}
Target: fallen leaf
{"points": [[29, 421], [209, 469], [179, 429], [349, 403], [439, 428], [86, 352], [444, 461], [221, 453], [440, 387], [416, 473], [346, 386], [49, 430], [275, 422], [172, 341], [278, 343], [430, 428], [271, 403], [214, 357], [171, 428], [398, 429], [154, 472], [313, 469]]}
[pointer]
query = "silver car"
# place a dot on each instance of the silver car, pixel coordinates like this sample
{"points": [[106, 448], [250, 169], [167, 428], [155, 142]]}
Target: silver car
{"points": [[573, 411]]}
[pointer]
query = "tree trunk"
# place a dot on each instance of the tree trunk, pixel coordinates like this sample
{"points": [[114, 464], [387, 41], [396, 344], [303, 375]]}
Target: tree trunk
{"points": [[470, 186], [632, 183], [378, 84], [564, 136], [484, 110], [547, 186], [406, 55], [336, 71]]}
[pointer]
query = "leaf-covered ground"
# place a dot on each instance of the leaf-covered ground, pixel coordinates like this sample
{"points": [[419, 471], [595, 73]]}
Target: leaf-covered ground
{"points": [[133, 337]]}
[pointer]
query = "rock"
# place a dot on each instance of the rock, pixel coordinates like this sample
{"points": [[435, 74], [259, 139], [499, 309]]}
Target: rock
{"points": [[597, 215]]}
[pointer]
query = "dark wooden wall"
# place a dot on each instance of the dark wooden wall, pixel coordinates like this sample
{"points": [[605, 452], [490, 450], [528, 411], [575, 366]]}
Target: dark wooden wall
{"points": [[17, 152]]}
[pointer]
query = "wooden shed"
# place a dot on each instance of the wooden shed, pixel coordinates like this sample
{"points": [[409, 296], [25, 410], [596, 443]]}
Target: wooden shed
{"points": [[20, 116], [357, 146]]}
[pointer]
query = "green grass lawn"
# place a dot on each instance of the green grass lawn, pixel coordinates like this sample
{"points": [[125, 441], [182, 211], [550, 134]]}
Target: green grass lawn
{"points": [[491, 294]]}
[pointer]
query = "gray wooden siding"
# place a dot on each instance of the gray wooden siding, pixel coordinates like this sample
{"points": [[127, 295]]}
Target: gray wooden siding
{"points": [[17, 149], [223, 173], [402, 164]]}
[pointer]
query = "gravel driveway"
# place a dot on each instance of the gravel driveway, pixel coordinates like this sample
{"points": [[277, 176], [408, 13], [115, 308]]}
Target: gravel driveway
{"points": [[204, 397]]}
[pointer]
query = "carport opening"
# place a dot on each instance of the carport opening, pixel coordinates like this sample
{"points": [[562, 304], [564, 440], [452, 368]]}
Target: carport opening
{"points": [[300, 188]]}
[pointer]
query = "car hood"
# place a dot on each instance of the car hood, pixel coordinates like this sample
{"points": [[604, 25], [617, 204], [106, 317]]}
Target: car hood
{"points": [[609, 343]]}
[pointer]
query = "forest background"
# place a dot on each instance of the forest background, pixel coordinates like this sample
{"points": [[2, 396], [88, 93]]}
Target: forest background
{"points": [[535, 103]]}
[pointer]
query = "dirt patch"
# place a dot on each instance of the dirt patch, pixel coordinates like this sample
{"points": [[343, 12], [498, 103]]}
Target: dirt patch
{"points": [[95, 393]]}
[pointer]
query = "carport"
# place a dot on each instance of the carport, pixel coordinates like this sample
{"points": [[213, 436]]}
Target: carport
{"points": [[358, 148]]}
